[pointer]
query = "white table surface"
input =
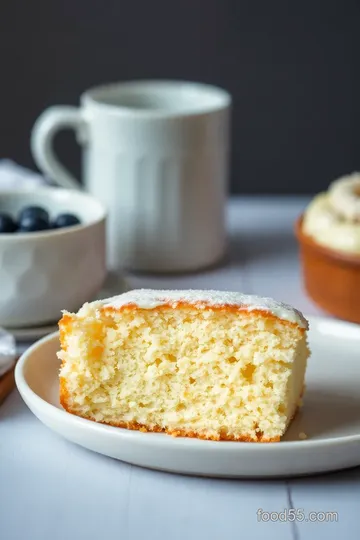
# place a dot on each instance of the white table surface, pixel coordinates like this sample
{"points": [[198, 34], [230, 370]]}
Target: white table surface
{"points": [[51, 489]]}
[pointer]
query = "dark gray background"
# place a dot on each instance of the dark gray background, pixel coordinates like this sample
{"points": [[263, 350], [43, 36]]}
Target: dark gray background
{"points": [[292, 68]]}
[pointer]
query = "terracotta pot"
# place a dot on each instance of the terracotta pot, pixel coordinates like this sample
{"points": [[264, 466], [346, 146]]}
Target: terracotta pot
{"points": [[331, 278]]}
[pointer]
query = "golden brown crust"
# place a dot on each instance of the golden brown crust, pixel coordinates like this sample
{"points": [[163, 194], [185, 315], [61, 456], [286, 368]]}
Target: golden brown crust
{"points": [[202, 306], [63, 393], [67, 319], [174, 433], [64, 323]]}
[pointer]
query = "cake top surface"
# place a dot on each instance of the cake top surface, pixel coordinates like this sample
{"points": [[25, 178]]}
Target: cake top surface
{"points": [[150, 298]]}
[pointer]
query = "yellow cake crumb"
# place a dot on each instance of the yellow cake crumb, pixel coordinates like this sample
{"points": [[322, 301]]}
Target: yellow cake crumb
{"points": [[212, 372]]}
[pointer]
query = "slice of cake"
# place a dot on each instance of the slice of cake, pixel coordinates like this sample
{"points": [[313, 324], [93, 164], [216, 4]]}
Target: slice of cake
{"points": [[207, 364]]}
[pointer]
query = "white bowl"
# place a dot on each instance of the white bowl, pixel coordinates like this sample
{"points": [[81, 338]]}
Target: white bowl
{"points": [[43, 272]]}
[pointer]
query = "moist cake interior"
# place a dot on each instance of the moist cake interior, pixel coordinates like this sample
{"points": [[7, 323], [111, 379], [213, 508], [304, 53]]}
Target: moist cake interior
{"points": [[213, 373]]}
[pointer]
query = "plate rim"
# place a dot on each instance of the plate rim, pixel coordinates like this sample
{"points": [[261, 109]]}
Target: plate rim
{"points": [[159, 438]]}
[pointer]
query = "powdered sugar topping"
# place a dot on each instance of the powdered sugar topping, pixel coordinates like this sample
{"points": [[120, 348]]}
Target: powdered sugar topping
{"points": [[150, 298]]}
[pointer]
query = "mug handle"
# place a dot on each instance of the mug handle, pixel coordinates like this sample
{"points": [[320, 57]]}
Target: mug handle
{"points": [[45, 128]]}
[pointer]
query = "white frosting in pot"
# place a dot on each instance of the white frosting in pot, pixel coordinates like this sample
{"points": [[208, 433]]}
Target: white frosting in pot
{"points": [[344, 196], [322, 223]]}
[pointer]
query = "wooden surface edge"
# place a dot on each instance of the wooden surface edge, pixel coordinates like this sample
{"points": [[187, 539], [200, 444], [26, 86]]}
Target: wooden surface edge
{"points": [[7, 384]]}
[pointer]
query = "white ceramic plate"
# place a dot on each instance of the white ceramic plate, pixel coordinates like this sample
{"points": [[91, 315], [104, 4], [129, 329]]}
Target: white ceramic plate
{"points": [[330, 417]]}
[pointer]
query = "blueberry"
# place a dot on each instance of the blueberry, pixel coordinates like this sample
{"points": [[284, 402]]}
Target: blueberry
{"points": [[65, 220], [7, 224], [33, 212], [33, 223]]}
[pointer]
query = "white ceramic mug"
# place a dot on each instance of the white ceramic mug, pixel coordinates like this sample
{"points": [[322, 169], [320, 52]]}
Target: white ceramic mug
{"points": [[156, 154]]}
